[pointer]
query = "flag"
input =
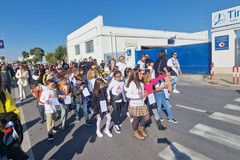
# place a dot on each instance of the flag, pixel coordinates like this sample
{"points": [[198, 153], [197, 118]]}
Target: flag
{"points": [[1, 44]]}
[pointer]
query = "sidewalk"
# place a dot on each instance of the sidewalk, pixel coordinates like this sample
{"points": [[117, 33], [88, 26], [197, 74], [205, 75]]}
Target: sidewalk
{"points": [[224, 80]]}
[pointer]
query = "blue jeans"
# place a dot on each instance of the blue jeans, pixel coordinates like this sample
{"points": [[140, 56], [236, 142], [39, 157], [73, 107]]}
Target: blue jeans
{"points": [[174, 82], [85, 111], [161, 100]]}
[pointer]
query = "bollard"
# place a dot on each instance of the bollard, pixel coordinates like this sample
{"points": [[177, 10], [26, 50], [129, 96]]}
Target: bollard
{"points": [[211, 70], [235, 71]]}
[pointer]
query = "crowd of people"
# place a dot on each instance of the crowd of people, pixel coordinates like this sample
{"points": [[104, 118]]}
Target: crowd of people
{"points": [[123, 92]]}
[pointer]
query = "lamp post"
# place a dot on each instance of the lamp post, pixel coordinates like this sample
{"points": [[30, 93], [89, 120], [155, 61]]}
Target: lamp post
{"points": [[111, 43], [4, 35]]}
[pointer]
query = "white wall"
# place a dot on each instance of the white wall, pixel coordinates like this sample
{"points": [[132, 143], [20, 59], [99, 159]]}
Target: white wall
{"points": [[224, 60], [102, 35]]}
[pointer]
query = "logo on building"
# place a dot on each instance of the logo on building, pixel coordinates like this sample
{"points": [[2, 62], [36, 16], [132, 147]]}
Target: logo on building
{"points": [[219, 19]]}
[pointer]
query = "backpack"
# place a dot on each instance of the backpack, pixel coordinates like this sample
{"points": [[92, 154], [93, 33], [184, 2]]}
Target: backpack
{"points": [[7, 117]]}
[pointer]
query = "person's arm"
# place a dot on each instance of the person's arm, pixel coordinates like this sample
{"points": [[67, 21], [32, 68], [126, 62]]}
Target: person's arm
{"points": [[110, 87], [17, 74], [154, 81]]}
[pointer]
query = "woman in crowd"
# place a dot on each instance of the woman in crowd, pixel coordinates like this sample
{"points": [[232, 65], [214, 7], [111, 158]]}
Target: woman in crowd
{"points": [[22, 76], [137, 108]]}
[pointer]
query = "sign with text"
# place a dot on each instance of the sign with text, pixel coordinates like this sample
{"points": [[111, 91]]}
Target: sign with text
{"points": [[1, 44], [222, 42], [226, 17]]}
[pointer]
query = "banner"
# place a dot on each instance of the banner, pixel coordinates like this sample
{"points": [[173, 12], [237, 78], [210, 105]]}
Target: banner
{"points": [[1, 44]]}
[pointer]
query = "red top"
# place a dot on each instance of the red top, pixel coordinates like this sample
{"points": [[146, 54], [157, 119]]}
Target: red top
{"points": [[149, 86]]}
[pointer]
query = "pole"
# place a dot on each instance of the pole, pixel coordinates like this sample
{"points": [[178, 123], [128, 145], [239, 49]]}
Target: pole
{"points": [[115, 37], [111, 43]]}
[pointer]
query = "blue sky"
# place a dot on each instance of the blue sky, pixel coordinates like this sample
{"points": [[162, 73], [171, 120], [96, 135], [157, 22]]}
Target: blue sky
{"points": [[46, 23]]}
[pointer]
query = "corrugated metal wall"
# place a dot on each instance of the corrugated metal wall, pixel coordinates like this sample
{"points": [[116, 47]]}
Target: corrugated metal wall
{"points": [[194, 58]]}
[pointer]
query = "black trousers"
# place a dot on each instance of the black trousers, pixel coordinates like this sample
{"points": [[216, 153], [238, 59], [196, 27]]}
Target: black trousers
{"points": [[116, 112]]}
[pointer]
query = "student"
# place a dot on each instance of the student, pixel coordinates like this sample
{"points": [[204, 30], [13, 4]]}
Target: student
{"points": [[99, 103], [80, 99], [116, 91], [22, 75], [37, 90], [148, 86], [137, 108], [64, 95], [50, 108], [162, 93], [127, 75]]}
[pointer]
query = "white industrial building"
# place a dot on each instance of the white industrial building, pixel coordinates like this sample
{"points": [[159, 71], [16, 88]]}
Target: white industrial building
{"points": [[226, 40], [102, 42]]}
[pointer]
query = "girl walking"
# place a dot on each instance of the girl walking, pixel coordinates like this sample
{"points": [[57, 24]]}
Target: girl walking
{"points": [[137, 108], [99, 103], [22, 75]]}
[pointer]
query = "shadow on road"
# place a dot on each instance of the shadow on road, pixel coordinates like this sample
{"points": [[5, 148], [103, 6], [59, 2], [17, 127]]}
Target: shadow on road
{"points": [[178, 155]]}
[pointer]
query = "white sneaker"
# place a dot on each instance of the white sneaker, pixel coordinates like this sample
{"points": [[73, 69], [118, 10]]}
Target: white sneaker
{"points": [[117, 129], [108, 133], [99, 134], [175, 91]]}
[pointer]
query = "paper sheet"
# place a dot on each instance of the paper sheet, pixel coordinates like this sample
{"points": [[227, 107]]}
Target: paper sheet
{"points": [[151, 99], [103, 105], [68, 100], [86, 92], [54, 101], [166, 93]]}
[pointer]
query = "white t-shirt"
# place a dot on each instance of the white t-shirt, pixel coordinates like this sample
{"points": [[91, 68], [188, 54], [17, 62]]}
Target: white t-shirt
{"points": [[141, 65], [116, 88], [122, 67], [132, 94], [45, 96], [173, 62]]}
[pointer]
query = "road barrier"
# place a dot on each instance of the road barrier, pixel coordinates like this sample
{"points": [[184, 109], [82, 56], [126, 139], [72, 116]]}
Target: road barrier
{"points": [[235, 71], [212, 70]]}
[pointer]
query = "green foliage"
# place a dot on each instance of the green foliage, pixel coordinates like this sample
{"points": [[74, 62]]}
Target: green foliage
{"points": [[60, 52], [25, 54], [51, 58]]}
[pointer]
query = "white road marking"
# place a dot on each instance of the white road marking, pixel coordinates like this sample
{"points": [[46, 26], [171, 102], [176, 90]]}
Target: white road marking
{"points": [[226, 118], [176, 151], [216, 135], [26, 145], [194, 109], [232, 107], [237, 100]]}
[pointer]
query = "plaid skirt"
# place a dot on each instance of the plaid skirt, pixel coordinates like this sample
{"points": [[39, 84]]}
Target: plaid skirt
{"points": [[138, 110]]}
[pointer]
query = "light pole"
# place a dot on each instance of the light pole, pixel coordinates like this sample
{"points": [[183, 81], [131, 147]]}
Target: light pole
{"points": [[4, 35], [111, 43]]}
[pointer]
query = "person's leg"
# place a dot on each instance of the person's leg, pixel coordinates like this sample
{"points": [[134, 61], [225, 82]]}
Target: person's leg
{"points": [[159, 96], [77, 110], [106, 130], [85, 111], [98, 131], [174, 82], [20, 91], [142, 126], [166, 105], [135, 125], [63, 115], [50, 125], [24, 92], [41, 112]]}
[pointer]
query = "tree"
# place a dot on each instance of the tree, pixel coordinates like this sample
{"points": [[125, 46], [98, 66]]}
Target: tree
{"points": [[51, 58], [60, 52], [25, 54], [37, 52]]}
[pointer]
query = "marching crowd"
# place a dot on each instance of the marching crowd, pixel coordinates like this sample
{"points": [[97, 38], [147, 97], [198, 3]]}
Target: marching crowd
{"points": [[134, 92]]}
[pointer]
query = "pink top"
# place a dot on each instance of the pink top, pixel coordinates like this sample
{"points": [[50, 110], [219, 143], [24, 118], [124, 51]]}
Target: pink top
{"points": [[149, 87]]}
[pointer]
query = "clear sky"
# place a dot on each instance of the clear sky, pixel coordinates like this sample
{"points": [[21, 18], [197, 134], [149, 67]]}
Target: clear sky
{"points": [[46, 23]]}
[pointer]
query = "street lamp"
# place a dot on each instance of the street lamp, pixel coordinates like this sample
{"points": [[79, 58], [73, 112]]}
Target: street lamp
{"points": [[111, 43]]}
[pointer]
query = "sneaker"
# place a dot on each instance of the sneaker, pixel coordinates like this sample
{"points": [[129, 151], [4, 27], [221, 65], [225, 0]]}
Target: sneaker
{"points": [[161, 119], [120, 125], [41, 121], [117, 129], [172, 121], [50, 137], [175, 91], [88, 123], [108, 133], [77, 119], [131, 119], [91, 110], [54, 130], [99, 134]]}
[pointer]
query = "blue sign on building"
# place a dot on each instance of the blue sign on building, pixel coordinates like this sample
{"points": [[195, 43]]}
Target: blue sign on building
{"points": [[1, 44], [222, 42]]}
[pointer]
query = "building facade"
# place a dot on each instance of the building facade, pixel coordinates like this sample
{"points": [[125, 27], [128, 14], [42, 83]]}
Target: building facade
{"points": [[103, 42], [226, 40]]}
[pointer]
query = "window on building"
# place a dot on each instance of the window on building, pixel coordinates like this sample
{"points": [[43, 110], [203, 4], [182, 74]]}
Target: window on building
{"points": [[89, 47], [77, 50]]}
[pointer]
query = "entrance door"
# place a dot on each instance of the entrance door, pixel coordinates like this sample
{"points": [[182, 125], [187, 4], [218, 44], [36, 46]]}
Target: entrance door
{"points": [[237, 55]]}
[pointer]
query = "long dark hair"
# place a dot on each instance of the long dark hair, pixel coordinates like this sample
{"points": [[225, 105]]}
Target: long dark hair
{"points": [[162, 54], [134, 76], [97, 84]]}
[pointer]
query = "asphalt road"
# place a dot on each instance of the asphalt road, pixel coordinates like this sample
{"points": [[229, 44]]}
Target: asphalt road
{"points": [[208, 128]]}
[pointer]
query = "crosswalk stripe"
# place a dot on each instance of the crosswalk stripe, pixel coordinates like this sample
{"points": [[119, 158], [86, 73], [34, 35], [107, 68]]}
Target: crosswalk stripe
{"points": [[237, 100], [194, 109], [232, 107], [226, 118], [176, 151], [216, 135]]}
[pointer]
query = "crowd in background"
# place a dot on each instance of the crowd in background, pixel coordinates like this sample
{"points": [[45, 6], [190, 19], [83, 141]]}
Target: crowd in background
{"points": [[134, 92]]}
